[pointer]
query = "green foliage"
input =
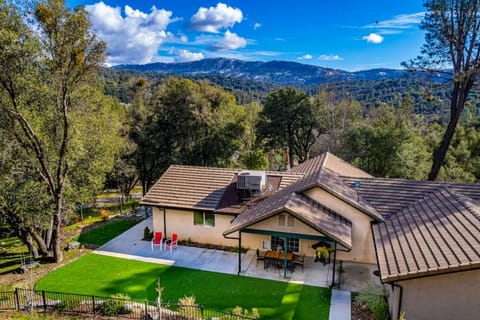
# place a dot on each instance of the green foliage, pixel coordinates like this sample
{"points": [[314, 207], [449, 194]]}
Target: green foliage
{"points": [[373, 298], [54, 119], [69, 304], [147, 234], [191, 123], [451, 39], [335, 114], [106, 232], [115, 305], [288, 120], [252, 155]]}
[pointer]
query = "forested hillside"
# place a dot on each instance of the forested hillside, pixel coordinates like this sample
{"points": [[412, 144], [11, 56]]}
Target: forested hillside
{"points": [[430, 98]]}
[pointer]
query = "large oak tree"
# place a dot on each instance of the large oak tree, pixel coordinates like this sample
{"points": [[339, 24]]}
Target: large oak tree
{"points": [[57, 129]]}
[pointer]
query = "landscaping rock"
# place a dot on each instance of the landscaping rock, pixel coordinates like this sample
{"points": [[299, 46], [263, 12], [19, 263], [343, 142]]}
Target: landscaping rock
{"points": [[73, 245], [29, 266]]}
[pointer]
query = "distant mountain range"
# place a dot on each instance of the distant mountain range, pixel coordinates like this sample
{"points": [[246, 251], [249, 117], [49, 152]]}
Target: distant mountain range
{"points": [[277, 72]]}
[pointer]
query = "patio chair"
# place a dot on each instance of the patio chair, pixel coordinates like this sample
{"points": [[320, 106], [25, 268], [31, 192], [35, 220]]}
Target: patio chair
{"points": [[172, 243], [260, 257], [157, 240], [300, 261]]}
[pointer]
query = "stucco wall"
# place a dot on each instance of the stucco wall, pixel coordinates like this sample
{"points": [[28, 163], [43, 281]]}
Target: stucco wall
{"points": [[181, 222], [362, 239], [450, 296], [298, 226]]}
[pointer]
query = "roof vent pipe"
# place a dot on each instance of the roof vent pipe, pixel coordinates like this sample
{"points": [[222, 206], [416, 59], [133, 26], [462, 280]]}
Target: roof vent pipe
{"points": [[287, 159]]}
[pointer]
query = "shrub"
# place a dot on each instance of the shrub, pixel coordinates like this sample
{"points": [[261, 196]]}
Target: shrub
{"points": [[373, 298], [239, 311], [68, 304], [189, 308], [104, 214], [115, 305], [147, 234]]}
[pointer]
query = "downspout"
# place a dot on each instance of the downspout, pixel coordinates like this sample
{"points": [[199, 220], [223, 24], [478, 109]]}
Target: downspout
{"points": [[165, 222], [285, 258], [334, 262], [399, 310], [239, 238], [239, 252]]}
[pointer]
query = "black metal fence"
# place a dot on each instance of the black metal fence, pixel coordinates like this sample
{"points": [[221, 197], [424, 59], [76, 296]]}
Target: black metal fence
{"points": [[68, 303]]}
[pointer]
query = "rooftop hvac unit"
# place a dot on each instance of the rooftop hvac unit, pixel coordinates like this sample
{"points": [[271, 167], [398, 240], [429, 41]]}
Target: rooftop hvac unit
{"points": [[251, 180]]}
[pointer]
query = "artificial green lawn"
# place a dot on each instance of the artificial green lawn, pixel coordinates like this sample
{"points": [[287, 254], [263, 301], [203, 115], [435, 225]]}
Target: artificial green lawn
{"points": [[101, 275], [104, 233]]}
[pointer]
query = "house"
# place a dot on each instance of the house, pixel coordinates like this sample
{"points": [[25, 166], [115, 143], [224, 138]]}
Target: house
{"points": [[423, 236]]}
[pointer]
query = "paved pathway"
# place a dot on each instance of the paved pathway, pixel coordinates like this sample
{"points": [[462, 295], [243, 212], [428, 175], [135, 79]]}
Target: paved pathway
{"points": [[340, 305]]}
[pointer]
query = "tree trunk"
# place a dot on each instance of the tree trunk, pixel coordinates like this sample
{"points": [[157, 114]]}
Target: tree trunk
{"points": [[31, 247], [56, 245], [456, 108]]}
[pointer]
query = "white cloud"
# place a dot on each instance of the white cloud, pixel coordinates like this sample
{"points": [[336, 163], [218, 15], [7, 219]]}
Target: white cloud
{"points": [[187, 56], [135, 38], [230, 41], [257, 25], [330, 57], [215, 18], [305, 57], [401, 21], [373, 38]]}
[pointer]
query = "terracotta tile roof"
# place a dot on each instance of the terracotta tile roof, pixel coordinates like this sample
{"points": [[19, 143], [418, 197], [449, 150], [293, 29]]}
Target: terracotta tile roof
{"points": [[190, 187], [435, 234]]}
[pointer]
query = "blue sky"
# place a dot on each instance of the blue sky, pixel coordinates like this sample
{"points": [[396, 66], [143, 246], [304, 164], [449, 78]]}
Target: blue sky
{"points": [[349, 35]]}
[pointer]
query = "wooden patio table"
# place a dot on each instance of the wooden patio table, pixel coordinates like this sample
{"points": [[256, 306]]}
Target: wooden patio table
{"points": [[278, 257]]}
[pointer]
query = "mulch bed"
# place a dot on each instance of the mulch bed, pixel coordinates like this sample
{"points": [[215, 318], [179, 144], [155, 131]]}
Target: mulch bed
{"points": [[359, 312]]}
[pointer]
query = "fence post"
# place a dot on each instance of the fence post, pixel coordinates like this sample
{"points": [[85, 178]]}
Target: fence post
{"points": [[17, 300], [146, 310], [93, 304], [44, 301]]}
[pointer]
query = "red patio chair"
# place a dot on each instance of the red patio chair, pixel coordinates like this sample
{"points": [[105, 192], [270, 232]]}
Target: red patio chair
{"points": [[157, 240], [172, 243]]}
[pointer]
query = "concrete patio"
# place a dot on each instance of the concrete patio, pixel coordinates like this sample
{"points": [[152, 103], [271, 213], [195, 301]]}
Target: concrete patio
{"points": [[129, 245]]}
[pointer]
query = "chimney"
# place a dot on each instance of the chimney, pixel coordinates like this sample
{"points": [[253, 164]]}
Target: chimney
{"points": [[287, 159]]}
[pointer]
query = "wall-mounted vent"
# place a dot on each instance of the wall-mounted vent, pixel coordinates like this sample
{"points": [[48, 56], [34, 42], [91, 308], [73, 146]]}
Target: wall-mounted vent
{"points": [[251, 180]]}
